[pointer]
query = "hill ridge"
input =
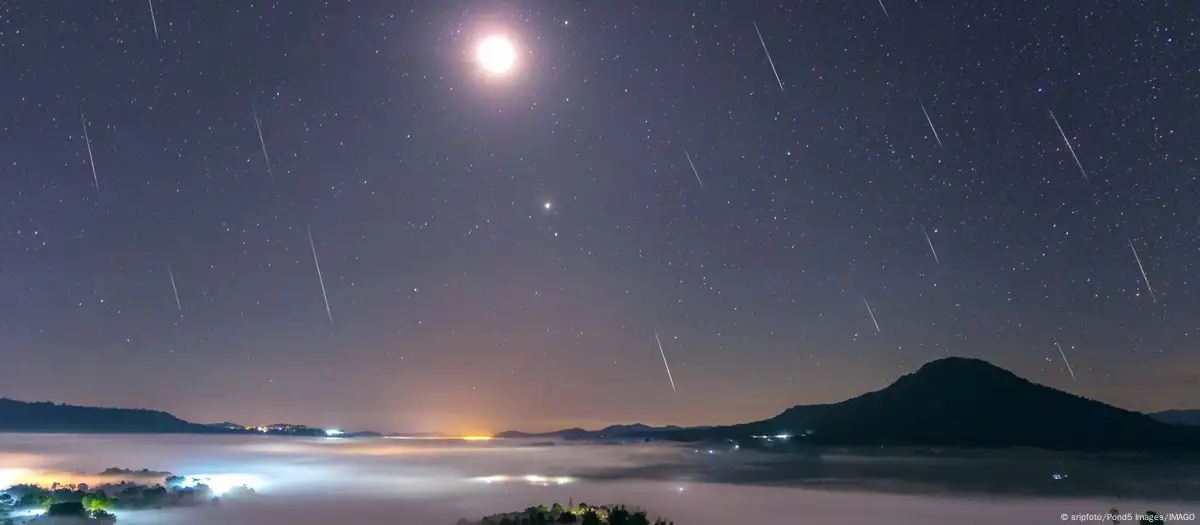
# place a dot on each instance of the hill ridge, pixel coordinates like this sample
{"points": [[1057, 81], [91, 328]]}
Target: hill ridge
{"points": [[957, 402], [47, 416]]}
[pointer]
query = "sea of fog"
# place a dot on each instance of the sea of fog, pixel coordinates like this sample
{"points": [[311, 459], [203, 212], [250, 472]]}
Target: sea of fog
{"points": [[303, 481]]}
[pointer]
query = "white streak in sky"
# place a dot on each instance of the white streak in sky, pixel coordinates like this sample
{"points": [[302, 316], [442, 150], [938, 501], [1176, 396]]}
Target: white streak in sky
{"points": [[928, 240], [885, 13], [153, 20], [694, 172], [930, 121], [664, 356], [320, 277], [91, 160], [1143, 269], [872, 314], [258, 126], [174, 288], [1064, 356], [769, 61], [1069, 147]]}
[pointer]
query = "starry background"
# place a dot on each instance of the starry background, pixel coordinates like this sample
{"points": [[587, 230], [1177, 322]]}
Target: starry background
{"points": [[461, 303]]}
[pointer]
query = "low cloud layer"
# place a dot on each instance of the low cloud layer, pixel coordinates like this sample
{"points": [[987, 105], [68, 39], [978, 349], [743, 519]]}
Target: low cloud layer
{"points": [[366, 482]]}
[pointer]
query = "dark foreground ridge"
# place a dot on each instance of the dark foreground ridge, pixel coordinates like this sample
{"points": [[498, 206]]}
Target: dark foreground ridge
{"points": [[951, 402]]}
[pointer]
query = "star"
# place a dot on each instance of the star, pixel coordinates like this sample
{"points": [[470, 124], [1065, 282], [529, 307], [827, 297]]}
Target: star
{"points": [[497, 55]]}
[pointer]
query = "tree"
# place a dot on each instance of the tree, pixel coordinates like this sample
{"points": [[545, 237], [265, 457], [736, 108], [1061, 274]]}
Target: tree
{"points": [[639, 518], [619, 516], [67, 509], [567, 517], [98, 501], [42, 500], [590, 517], [556, 508]]}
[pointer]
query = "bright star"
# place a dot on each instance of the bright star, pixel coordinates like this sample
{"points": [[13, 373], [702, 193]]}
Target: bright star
{"points": [[547, 205], [496, 55]]}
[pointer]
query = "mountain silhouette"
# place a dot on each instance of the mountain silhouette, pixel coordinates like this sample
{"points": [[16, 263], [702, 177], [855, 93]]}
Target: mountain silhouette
{"points": [[21, 416], [959, 401], [950, 402], [1178, 417], [634, 431], [965, 402]]}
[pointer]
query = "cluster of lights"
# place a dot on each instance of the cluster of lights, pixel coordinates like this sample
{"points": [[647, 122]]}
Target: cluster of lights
{"points": [[222, 483], [218, 483], [532, 479]]}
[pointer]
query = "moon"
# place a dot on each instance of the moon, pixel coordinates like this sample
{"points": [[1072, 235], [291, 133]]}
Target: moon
{"points": [[496, 55]]}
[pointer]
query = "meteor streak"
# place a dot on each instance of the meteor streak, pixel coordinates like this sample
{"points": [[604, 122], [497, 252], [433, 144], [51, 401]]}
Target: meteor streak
{"points": [[91, 160], [694, 172], [769, 61], [320, 277], [174, 288], [664, 356], [930, 121], [153, 20], [1143, 270], [1064, 358], [872, 314], [935, 257], [263, 143], [1069, 147]]}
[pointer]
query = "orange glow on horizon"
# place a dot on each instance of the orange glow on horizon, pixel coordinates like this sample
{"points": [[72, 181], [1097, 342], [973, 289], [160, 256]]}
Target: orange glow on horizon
{"points": [[443, 438]]}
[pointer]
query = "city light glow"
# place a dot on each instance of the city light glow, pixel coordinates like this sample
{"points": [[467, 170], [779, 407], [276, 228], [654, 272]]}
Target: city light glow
{"points": [[222, 483], [532, 479]]}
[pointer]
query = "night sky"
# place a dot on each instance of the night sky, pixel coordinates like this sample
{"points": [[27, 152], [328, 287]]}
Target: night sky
{"points": [[498, 251]]}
